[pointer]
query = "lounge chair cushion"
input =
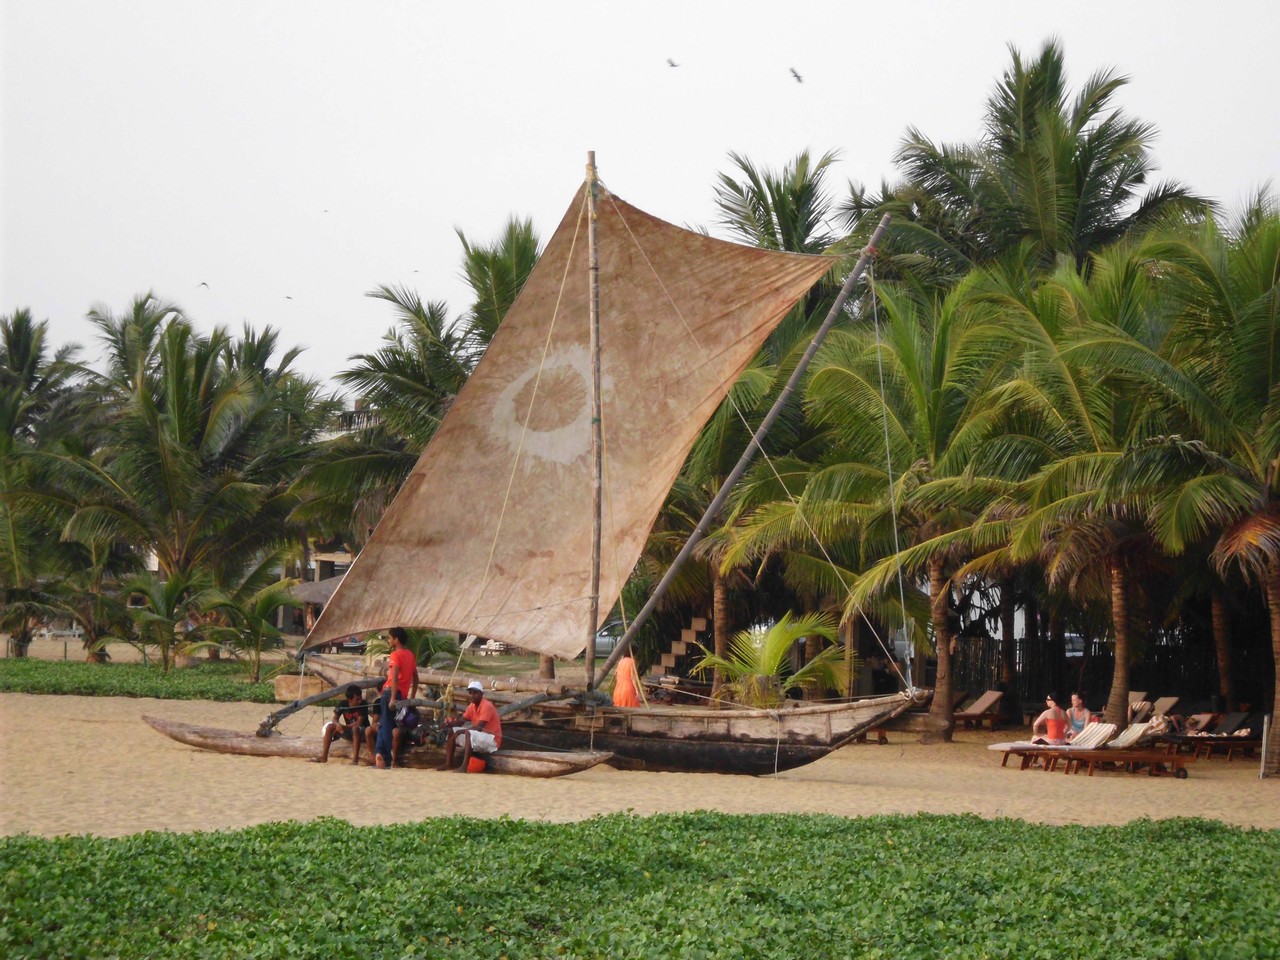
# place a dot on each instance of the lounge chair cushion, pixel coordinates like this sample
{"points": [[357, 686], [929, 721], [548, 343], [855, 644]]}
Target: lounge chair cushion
{"points": [[1093, 735]]}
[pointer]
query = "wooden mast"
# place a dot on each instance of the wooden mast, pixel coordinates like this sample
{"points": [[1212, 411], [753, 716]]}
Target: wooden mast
{"points": [[597, 459], [747, 455]]}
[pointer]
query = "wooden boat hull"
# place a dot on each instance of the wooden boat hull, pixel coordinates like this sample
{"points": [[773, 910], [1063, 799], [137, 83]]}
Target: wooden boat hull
{"points": [[702, 740], [525, 763], [683, 739]]}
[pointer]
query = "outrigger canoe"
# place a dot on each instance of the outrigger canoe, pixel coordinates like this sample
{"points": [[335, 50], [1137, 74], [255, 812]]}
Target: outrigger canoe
{"points": [[522, 763]]}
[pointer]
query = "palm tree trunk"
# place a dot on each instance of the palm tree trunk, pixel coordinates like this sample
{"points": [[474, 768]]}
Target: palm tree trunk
{"points": [[1007, 639], [1272, 767], [547, 667], [939, 595], [813, 647], [1222, 647], [719, 627], [851, 630], [20, 642], [1117, 710], [1010, 706]]}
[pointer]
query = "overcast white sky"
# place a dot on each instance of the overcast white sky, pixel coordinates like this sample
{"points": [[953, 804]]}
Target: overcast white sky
{"points": [[293, 156]]}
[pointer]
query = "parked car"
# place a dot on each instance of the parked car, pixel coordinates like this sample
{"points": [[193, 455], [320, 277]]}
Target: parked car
{"points": [[608, 637]]}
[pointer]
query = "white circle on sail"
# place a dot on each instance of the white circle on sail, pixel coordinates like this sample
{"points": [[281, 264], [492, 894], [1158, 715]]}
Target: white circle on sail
{"points": [[555, 404]]}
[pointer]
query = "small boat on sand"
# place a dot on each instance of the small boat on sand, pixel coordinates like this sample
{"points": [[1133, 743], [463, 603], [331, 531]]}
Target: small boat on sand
{"points": [[524, 763]]}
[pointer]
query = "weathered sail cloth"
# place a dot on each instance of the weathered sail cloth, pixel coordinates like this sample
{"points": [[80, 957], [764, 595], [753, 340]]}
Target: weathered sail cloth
{"points": [[491, 534]]}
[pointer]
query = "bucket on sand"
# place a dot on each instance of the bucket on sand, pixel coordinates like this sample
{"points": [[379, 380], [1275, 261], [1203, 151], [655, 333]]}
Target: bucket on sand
{"points": [[475, 764]]}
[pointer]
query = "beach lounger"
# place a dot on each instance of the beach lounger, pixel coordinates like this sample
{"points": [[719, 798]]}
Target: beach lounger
{"points": [[1093, 735], [1233, 735], [1127, 751], [1098, 749], [1157, 762], [1229, 724], [985, 708], [1232, 746], [1131, 736], [1140, 711], [1164, 706]]}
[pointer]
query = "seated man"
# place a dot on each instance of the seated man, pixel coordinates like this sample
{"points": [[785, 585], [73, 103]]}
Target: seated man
{"points": [[484, 735], [408, 732], [349, 722]]}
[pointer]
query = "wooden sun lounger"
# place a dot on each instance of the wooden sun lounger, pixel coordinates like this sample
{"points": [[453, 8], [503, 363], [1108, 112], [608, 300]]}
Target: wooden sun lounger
{"points": [[1158, 763], [1229, 724], [1206, 747], [1092, 736], [1214, 734], [985, 708]]}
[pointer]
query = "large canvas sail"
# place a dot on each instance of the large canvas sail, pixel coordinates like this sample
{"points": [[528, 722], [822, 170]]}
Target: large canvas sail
{"points": [[492, 532]]}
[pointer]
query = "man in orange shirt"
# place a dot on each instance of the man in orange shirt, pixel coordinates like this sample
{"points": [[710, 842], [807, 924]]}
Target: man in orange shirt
{"points": [[485, 733], [402, 684]]}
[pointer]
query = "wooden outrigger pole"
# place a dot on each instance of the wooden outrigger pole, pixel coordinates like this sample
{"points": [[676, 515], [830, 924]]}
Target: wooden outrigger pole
{"points": [[597, 432], [745, 460]]}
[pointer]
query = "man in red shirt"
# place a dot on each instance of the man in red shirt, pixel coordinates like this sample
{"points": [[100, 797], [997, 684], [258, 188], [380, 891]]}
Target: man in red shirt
{"points": [[485, 733], [402, 684]]}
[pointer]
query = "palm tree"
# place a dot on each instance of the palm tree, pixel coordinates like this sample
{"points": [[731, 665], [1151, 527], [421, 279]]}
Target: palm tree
{"points": [[758, 662], [1219, 481], [791, 210], [251, 606], [197, 466], [1085, 394], [35, 388], [88, 592], [162, 608], [1065, 175], [496, 274], [921, 389], [778, 210], [130, 339]]}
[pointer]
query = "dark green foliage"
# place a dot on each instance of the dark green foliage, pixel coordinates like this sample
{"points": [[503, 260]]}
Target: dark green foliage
{"points": [[692, 885], [208, 681]]}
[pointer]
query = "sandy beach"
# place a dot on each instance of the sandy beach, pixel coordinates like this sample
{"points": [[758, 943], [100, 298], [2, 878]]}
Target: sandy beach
{"points": [[110, 774]]}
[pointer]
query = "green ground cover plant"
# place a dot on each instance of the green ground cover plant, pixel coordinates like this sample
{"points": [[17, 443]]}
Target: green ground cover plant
{"points": [[207, 681], [699, 885]]}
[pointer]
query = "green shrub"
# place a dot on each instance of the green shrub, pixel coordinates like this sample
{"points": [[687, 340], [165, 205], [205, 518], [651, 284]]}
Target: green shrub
{"points": [[205, 681], [693, 885]]}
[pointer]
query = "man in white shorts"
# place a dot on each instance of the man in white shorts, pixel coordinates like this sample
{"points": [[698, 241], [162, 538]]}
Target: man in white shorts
{"points": [[484, 735]]}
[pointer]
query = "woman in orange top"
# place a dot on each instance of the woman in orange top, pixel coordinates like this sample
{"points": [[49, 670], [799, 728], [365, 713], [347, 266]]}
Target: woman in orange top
{"points": [[626, 687], [1051, 725]]}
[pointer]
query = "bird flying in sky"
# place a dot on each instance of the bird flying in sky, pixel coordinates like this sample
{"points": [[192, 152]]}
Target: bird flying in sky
{"points": [[671, 63], [203, 284], [799, 79]]}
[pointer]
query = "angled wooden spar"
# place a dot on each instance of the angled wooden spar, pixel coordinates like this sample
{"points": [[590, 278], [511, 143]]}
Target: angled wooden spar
{"points": [[748, 454]]}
